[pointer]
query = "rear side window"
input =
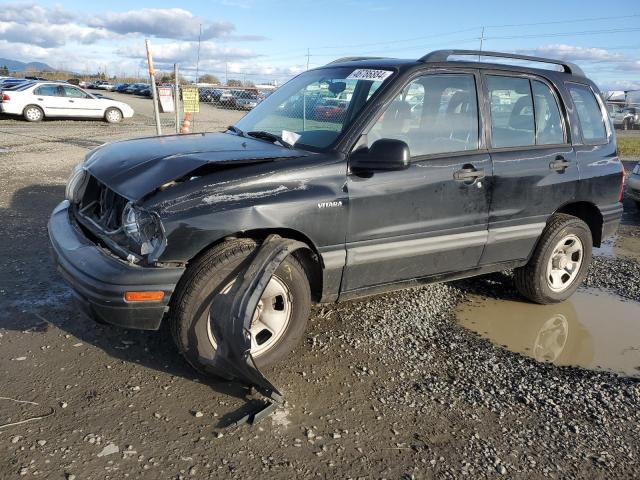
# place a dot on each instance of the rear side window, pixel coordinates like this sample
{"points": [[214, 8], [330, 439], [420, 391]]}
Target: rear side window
{"points": [[548, 119], [589, 113], [433, 114], [50, 91], [512, 119]]}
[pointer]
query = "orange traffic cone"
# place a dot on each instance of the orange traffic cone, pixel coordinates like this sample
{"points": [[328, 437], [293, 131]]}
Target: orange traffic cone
{"points": [[186, 123]]}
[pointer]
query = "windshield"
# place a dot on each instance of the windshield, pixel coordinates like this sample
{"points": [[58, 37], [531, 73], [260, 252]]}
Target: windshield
{"points": [[317, 105]]}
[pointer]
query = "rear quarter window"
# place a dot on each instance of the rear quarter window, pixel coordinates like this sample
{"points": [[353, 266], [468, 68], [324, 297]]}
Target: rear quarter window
{"points": [[589, 114]]}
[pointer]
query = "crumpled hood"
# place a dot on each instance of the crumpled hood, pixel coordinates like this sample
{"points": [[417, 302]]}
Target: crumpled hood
{"points": [[134, 168]]}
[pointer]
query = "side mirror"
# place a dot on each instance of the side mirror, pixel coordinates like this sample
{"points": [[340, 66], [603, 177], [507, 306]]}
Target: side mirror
{"points": [[384, 154]]}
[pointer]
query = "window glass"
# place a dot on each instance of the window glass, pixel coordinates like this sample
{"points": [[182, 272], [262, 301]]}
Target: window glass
{"points": [[50, 91], [589, 114], [317, 105], [548, 120], [433, 114], [512, 123], [74, 92]]}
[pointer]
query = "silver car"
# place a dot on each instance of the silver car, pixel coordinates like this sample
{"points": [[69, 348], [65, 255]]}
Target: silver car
{"points": [[626, 118], [633, 185]]}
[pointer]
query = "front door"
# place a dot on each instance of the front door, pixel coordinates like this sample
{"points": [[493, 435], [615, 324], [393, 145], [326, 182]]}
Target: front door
{"points": [[80, 104], [431, 218]]}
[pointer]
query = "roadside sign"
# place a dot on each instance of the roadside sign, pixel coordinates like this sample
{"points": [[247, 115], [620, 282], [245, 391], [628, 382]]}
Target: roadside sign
{"points": [[190, 100], [165, 94]]}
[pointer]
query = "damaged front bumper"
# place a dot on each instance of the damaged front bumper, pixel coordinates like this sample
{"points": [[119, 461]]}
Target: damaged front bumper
{"points": [[100, 279]]}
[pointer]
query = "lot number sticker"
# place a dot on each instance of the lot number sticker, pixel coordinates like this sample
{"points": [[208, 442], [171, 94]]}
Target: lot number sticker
{"points": [[368, 74], [190, 100]]}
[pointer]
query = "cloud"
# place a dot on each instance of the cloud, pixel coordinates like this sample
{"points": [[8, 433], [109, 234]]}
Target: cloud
{"points": [[174, 23], [49, 36], [29, 12], [184, 52], [573, 53]]}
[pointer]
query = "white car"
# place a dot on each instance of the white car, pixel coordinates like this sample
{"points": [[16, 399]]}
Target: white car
{"points": [[37, 100]]}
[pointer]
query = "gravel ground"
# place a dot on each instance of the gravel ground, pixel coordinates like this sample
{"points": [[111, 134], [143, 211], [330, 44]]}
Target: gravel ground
{"points": [[389, 387]]}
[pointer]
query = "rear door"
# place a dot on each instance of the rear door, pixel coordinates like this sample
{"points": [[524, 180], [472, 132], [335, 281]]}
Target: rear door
{"points": [[428, 219], [534, 165], [51, 98]]}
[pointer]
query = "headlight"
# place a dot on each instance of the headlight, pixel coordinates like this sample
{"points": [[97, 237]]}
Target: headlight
{"points": [[143, 229], [76, 184]]}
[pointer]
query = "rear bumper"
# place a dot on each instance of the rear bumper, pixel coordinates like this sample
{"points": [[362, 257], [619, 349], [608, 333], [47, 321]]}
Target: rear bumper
{"points": [[100, 280], [611, 215]]}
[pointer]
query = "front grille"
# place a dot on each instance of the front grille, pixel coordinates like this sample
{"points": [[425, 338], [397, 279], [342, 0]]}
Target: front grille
{"points": [[102, 206]]}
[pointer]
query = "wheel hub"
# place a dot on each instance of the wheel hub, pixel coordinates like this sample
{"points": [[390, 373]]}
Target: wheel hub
{"points": [[270, 319], [564, 264]]}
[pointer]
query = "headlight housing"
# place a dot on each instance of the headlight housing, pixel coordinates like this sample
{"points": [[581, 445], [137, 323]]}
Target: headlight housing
{"points": [[144, 230], [76, 184]]}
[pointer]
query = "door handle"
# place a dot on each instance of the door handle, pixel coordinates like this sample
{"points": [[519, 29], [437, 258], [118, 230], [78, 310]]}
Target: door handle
{"points": [[70, 101], [559, 164], [468, 174], [39, 99]]}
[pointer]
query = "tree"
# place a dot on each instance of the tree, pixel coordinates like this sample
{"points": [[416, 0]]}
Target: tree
{"points": [[234, 83], [249, 84], [4, 70], [207, 78]]}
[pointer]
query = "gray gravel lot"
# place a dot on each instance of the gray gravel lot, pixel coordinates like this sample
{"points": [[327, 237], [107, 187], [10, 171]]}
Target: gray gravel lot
{"points": [[388, 387]]}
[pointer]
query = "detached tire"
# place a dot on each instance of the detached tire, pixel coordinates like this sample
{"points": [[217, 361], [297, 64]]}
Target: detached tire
{"points": [[559, 262], [281, 317], [33, 113], [112, 115]]}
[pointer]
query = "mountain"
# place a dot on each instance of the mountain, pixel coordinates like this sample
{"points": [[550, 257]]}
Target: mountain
{"points": [[16, 66]]}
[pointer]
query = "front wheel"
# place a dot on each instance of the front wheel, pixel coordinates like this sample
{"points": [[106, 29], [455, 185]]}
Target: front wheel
{"points": [[559, 262], [279, 320], [113, 115]]}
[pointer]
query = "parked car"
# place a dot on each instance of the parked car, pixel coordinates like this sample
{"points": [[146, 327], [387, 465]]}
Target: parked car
{"points": [[96, 85], [121, 87], [246, 100], [633, 185], [331, 109], [134, 88], [38, 100], [7, 82], [156, 229], [105, 86], [626, 118]]}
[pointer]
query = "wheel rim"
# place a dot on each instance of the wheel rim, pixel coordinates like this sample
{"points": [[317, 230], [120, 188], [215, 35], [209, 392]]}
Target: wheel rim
{"points": [[33, 114], [565, 263], [270, 320], [113, 116]]}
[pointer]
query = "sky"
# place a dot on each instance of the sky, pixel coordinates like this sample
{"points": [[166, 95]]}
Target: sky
{"points": [[272, 40]]}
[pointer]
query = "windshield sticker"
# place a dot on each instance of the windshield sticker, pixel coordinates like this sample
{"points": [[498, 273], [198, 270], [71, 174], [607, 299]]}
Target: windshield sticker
{"points": [[368, 74], [290, 137]]}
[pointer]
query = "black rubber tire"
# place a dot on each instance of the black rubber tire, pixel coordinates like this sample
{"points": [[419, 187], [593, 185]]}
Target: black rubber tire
{"points": [[531, 281], [32, 107], [110, 109], [188, 314]]}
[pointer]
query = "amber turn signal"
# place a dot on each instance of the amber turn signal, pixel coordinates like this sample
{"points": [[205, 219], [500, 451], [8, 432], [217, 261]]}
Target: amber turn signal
{"points": [[143, 296]]}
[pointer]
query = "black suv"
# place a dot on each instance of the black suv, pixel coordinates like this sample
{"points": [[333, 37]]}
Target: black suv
{"points": [[419, 171]]}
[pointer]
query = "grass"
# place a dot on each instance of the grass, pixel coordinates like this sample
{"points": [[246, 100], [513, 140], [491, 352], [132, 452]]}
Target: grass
{"points": [[629, 146]]}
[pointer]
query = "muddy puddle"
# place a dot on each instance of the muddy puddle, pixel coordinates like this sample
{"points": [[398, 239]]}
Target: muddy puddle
{"points": [[593, 329], [621, 247]]}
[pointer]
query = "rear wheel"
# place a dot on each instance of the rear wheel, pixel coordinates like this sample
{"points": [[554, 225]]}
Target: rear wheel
{"points": [[626, 125], [33, 113], [559, 262], [113, 115], [279, 320]]}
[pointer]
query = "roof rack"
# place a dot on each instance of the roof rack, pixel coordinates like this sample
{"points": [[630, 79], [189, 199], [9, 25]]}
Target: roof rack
{"points": [[443, 56], [353, 59]]}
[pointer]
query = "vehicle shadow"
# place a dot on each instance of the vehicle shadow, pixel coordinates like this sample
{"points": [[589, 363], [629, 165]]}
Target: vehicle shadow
{"points": [[34, 298]]}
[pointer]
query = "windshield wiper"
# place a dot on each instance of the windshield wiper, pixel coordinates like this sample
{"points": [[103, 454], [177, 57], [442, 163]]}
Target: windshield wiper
{"points": [[269, 136], [236, 130]]}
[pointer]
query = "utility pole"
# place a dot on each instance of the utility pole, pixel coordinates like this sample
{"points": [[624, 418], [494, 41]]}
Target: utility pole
{"points": [[308, 56], [154, 93], [481, 42], [198, 59]]}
